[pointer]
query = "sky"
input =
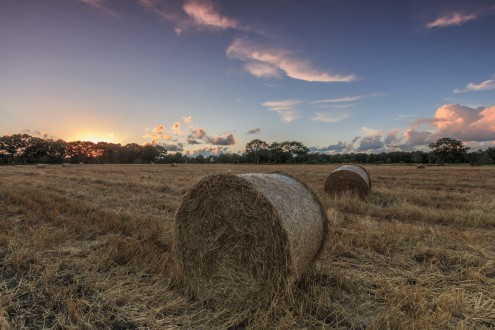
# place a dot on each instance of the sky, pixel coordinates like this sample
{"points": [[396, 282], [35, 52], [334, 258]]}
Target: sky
{"points": [[205, 77]]}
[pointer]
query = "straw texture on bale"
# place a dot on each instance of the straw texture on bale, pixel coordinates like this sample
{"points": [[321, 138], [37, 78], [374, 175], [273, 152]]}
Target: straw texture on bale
{"points": [[242, 240], [420, 166], [351, 179]]}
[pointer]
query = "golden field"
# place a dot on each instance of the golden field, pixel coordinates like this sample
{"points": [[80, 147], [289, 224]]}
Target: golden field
{"points": [[90, 247]]}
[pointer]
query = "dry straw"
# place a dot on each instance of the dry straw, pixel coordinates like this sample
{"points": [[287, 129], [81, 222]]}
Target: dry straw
{"points": [[351, 179], [420, 166], [242, 240], [41, 165], [65, 164]]}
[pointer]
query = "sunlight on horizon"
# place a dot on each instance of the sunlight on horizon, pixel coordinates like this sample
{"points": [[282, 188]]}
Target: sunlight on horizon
{"points": [[95, 137]]}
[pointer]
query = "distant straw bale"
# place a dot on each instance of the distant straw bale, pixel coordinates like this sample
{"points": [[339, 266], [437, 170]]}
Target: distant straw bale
{"points": [[420, 166], [65, 164], [242, 240], [351, 179], [41, 165], [174, 165]]}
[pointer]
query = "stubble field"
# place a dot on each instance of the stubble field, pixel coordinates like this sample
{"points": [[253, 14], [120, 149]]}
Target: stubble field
{"points": [[90, 246]]}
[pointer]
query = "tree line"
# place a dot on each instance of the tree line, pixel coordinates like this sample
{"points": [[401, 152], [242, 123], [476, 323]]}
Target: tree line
{"points": [[27, 149]]}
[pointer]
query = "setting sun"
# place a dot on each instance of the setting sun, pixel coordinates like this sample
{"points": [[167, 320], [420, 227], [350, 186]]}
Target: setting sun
{"points": [[95, 137]]}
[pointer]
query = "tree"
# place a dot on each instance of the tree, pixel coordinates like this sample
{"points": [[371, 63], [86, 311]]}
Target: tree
{"points": [[255, 148], [449, 150]]}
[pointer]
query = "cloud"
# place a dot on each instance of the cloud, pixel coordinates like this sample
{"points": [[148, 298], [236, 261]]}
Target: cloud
{"points": [[340, 147], [455, 19], [474, 87], [262, 70], [187, 119], [203, 14], [207, 151], [100, 6], [326, 117], [284, 108], [253, 131], [226, 139], [392, 138], [173, 147], [339, 100], [157, 134], [176, 128], [455, 121], [196, 134], [264, 61], [158, 129], [369, 143]]}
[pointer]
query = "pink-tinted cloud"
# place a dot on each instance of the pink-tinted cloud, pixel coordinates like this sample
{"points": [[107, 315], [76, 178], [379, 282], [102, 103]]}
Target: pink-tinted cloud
{"points": [[452, 19], [157, 133], [203, 14], [284, 108], [456, 121], [191, 14], [101, 7], [262, 70], [274, 60], [476, 87], [187, 119]]}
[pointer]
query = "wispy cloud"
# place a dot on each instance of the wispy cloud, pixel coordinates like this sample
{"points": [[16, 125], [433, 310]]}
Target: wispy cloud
{"points": [[187, 119], [284, 108], [476, 87], [455, 19], [203, 14], [339, 100], [266, 61], [101, 7], [326, 117]]}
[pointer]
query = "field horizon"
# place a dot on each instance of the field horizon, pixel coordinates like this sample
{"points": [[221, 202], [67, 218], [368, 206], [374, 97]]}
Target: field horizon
{"points": [[90, 246]]}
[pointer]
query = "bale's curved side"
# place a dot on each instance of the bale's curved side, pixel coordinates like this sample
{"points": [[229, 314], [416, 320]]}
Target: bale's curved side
{"points": [[420, 166], [348, 179], [300, 212], [235, 246]]}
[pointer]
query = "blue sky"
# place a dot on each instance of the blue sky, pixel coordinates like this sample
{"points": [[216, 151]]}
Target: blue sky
{"points": [[209, 76]]}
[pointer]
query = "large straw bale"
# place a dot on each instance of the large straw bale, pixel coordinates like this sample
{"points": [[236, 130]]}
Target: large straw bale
{"points": [[420, 166], [242, 240], [351, 179]]}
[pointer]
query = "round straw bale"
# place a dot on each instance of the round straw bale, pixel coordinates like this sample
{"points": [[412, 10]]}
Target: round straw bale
{"points": [[242, 240], [40, 165], [65, 164], [352, 179], [420, 166]]}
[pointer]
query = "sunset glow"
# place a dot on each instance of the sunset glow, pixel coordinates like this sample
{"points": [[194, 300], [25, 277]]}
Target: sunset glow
{"points": [[95, 137], [203, 77]]}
